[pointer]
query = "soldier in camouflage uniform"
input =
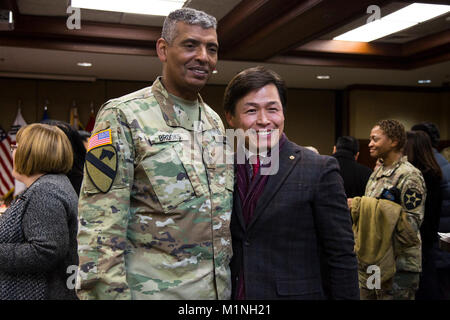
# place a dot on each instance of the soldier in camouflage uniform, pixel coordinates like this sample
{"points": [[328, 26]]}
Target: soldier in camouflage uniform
{"points": [[399, 181], [156, 199]]}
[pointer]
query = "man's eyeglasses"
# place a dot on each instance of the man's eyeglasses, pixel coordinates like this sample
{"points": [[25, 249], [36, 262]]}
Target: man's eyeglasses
{"points": [[13, 147]]}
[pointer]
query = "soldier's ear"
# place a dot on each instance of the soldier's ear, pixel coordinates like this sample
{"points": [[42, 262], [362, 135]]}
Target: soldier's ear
{"points": [[394, 143], [161, 49]]}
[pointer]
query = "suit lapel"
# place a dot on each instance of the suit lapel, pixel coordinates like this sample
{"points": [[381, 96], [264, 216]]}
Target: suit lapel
{"points": [[289, 156]]}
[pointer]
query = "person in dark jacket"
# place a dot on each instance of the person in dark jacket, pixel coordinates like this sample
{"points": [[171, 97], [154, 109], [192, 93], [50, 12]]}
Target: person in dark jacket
{"points": [[355, 175], [420, 154], [38, 231], [291, 228], [75, 174], [442, 257]]}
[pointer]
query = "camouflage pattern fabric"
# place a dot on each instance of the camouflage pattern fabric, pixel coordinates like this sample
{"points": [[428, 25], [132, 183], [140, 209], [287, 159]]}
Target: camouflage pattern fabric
{"points": [[162, 230], [412, 194], [405, 285]]}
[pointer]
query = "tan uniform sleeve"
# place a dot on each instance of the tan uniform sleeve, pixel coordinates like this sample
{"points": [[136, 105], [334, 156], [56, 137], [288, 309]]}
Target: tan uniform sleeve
{"points": [[413, 196], [103, 218]]}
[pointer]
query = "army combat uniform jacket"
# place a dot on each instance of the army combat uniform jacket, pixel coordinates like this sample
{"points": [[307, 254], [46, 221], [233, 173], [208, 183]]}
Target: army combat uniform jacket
{"points": [[155, 204], [403, 184]]}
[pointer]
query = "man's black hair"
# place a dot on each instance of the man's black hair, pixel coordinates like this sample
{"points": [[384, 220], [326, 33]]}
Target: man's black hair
{"points": [[348, 143]]}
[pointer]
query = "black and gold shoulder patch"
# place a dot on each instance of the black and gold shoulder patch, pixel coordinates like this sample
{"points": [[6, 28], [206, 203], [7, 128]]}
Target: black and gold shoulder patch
{"points": [[101, 166], [412, 199]]}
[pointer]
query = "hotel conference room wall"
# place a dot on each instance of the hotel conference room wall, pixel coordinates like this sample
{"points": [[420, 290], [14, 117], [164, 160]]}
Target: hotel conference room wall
{"points": [[409, 107], [310, 115]]}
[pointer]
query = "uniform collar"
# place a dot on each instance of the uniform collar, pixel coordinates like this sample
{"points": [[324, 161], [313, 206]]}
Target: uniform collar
{"points": [[383, 171], [169, 113]]}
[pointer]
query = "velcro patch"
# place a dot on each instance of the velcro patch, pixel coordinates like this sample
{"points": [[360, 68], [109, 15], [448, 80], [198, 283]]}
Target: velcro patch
{"points": [[101, 166], [162, 137], [100, 138], [412, 199]]}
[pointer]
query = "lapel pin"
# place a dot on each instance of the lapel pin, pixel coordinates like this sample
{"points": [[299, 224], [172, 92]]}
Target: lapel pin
{"points": [[292, 157]]}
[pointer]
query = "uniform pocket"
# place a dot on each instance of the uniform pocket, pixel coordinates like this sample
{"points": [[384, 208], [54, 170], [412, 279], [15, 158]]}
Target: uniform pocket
{"points": [[219, 163], [172, 180]]}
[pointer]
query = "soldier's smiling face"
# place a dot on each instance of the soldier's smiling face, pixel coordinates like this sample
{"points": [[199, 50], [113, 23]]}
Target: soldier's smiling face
{"points": [[380, 144], [189, 60]]}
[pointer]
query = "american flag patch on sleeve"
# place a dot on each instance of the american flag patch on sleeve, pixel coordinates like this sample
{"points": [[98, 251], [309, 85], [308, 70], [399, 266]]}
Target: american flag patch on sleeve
{"points": [[101, 138]]}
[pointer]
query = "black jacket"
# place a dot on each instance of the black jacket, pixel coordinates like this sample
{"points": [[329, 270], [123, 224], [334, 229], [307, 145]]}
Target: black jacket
{"points": [[43, 245], [299, 244], [443, 257], [355, 175]]}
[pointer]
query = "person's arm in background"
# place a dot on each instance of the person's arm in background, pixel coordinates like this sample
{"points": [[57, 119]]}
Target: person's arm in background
{"points": [[103, 218], [46, 233]]}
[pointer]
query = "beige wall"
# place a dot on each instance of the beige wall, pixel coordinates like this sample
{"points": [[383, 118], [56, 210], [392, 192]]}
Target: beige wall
{"points": [[369, 106], [310, 118], [60, 96], [310, 115]]}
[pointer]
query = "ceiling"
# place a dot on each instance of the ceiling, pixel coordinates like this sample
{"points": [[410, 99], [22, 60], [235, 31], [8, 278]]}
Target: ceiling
{"points": [[291, 37]]}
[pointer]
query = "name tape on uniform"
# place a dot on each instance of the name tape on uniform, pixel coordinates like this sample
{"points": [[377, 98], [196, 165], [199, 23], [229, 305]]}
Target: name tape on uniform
{"points": [[161, 137]]}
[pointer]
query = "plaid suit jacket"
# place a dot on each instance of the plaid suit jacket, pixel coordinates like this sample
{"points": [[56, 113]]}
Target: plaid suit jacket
{"points": [[299, 244]]}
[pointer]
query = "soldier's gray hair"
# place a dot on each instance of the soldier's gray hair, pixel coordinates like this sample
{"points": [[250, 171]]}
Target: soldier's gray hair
{"points": [[189, 16]]}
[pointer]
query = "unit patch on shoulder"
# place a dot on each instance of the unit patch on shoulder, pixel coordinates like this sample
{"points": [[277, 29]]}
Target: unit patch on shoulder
{"points": [[101, 166], [412, 199]]}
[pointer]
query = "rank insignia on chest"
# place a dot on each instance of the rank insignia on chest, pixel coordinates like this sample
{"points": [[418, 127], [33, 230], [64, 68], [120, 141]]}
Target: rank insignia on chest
{"points": [[101, 166], [412, 199]]}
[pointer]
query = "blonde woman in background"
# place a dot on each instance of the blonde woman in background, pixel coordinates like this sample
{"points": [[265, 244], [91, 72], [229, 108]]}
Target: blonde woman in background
{"points": [[38, 231]]}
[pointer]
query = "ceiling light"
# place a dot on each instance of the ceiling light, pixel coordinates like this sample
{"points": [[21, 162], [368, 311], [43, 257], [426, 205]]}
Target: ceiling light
{"points": [[154, 7], [323, 77], [394, 22], [84, 64], [215, 71], [424, 81]]}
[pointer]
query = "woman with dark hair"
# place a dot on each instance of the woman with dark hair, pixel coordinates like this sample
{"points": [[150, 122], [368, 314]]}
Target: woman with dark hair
{"points": [[419, 151], [75, 174]]}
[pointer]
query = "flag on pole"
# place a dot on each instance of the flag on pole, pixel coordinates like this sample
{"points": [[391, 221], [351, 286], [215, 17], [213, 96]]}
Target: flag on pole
{"points": [[74, 117], [18, 123], [6, 166], [91, 122], [45, 116]]}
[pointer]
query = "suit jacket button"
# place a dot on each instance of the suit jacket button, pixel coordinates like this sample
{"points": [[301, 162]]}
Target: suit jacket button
{"points": [[246, 243]]}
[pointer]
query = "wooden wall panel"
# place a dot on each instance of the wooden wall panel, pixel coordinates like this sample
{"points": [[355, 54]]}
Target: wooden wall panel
{"points": [[13, 90]]}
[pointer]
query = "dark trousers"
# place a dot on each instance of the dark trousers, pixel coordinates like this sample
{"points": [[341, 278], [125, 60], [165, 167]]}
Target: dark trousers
{"points": [[428, 285], [443, 276]]}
